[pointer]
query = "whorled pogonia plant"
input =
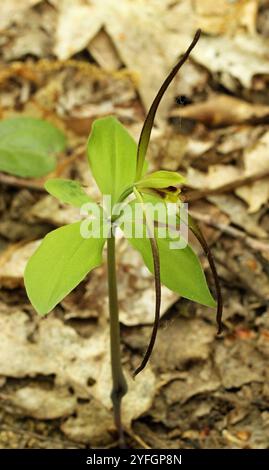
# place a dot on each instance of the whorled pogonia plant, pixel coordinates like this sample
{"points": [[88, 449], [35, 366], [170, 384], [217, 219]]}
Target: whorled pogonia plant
{"points": [[65, 257]]}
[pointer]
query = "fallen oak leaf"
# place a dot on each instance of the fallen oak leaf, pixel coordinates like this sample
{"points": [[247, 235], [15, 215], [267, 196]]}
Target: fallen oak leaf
{"points": [[223, 110]]}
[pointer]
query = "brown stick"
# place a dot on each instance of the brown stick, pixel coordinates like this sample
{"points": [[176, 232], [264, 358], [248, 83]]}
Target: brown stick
{"points": [[257, 245], [21, 183]]}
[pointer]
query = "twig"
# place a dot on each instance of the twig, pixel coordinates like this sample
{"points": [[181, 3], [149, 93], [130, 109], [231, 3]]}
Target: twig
{"points": [[256, 245], [22, 183], [137, 439]]}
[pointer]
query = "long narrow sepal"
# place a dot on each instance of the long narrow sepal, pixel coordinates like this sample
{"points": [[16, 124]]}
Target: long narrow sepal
{"points": [[194, 227], [157, 277], [148, 123]]}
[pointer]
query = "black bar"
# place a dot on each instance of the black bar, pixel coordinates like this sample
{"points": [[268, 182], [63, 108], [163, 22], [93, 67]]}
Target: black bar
{"points": [[117, 458]]}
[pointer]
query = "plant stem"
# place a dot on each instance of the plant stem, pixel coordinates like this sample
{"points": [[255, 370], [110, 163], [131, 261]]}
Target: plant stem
{"points": [[119, 388]]}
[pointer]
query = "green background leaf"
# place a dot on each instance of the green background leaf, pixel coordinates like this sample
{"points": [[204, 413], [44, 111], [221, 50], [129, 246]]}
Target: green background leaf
{"points": [[67, 191], [28, 146], [112, 156], [59, 264]]}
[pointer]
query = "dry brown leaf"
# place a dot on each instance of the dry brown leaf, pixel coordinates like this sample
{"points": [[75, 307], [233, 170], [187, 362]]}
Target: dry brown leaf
{"points": [[135, 30], [2, 381], [104, 52], [137, 33], [236, 210], [222, 110], [91, 425], [226, 17], [31, 32], [217, 176], [84, 93], [78, 22], [12, 264], [182, 341], [237, 138], [76, 362], [43, 404], [240, 57], [256, 159], [236, 361], [184, 385], [10, 9], [50, 210]]}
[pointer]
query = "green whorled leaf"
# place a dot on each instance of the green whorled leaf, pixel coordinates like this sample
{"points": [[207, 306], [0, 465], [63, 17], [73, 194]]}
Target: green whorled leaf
{"points": [[160, 179], [28, 146], [148, 123], [181, 270], [67, 191], [112, 156], [59, 264]]}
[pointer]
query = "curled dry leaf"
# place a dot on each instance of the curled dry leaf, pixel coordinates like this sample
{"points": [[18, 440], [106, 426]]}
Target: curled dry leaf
{"points": [[240, 57], [182, 386], [255, 159], [222, 110], [104, 52]]}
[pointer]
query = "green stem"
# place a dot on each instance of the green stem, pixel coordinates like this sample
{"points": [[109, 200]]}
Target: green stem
{"points": [[119, 387]]}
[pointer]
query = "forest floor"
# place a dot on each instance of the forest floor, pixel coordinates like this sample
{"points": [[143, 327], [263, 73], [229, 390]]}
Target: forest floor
{"points": [[200, 390]]}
